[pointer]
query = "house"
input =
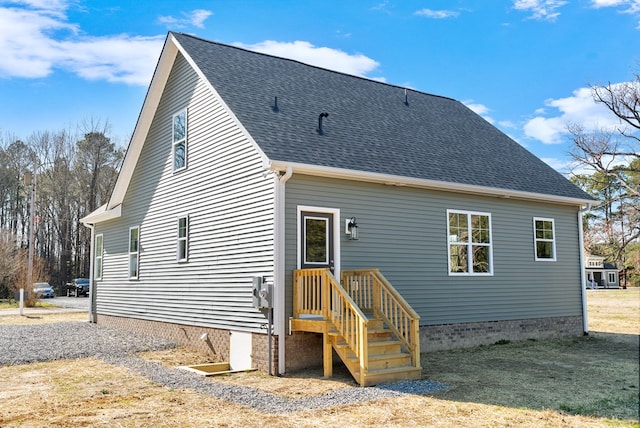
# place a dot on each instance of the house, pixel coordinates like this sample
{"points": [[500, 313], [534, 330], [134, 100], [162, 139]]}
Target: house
{"points": [[276, 214], [600, 274]]}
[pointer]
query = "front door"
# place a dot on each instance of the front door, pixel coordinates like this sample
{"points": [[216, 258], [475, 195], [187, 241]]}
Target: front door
{"points": [[317, 240]]}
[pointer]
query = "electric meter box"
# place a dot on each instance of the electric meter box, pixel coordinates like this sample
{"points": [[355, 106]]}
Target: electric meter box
{"points": [[261, 292]]}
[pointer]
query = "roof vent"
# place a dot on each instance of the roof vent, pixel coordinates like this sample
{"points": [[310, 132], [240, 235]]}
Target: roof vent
{"points": [[406, 97], [322, 116], [275, 107]]}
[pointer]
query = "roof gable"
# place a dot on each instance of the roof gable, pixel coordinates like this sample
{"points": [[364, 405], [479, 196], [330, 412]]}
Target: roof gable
{"points": [[370, 127]]}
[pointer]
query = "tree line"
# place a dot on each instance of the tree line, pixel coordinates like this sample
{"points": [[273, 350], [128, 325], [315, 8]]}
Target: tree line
{"points": [[48, 182]]}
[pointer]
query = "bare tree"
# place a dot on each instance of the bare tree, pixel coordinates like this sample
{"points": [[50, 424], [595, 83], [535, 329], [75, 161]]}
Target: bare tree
{"points": [[613, 157]]}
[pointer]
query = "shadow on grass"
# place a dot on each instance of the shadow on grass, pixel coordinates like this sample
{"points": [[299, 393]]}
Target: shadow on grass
{"points": [[595, 375]]}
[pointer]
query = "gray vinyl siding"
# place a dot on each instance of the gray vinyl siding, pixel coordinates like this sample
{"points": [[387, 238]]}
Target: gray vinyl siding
{"points": [[229, 202], [403, 231]]}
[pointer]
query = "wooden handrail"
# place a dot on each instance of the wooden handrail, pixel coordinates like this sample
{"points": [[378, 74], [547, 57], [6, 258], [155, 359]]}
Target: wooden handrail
{"points": [[317, 292], [373, 292]]}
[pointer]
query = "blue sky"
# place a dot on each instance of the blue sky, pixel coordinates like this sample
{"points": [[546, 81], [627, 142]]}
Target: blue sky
{"points": [[524, 65]]}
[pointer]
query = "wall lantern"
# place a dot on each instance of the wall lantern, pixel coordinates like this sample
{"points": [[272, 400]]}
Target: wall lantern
{"points": [[351, 228]]}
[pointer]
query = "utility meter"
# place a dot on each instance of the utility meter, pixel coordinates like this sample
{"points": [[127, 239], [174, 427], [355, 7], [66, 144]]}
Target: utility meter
{"points": [[261, 292]]}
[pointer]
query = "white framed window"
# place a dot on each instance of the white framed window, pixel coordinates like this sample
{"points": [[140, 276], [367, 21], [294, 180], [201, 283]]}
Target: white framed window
{"points": [[612, 277], [134, 252], [469, 240], [544, 239], [179, 139], [97, 261], [182, 254]]}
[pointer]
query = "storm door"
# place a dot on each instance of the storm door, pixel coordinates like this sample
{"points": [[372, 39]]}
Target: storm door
{"points": [[316, 240]]}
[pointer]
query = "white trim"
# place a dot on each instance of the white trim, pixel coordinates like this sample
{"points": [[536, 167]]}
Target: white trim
{"points": [[102, 214], [536, 239], [469, 243], [185, 239], [183, 140], [97, 275], [136, 253], [395, 180], [336, 234]]}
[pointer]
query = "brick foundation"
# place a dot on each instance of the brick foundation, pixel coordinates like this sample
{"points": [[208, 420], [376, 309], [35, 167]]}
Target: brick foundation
{"points": [[217, 347], [467, 335], [304, 350]]}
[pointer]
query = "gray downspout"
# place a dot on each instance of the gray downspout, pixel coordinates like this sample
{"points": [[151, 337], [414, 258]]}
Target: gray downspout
{"points": [[583, 280]]}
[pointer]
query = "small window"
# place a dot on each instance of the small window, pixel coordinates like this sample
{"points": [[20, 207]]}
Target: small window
{"points": [[545, 240], [97, 251], [179, 138], [612, 277], [183, 239], [134, 252], [469, 243]]}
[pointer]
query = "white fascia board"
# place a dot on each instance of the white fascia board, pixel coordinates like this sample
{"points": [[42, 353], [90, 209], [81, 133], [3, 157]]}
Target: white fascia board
{"points": [[102, 214], [394, 180], [149, 106]]}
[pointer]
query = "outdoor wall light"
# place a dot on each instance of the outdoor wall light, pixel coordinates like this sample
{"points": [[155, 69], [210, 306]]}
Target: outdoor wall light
{"points": [[351, 228]]}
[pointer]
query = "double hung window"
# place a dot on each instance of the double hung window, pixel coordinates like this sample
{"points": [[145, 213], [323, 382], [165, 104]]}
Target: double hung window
{"points": [[134, 252], [469, 243], [97, 251], [544, 239], [183, 239]]}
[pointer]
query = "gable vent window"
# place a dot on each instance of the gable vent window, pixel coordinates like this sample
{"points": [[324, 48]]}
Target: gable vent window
{"points": [[183, 239], [179, 137], [544, 239], [470, 248]]}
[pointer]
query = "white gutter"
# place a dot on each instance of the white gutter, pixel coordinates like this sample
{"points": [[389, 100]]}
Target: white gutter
{"points": [[394, 180], [583, 280], [279, 270]]}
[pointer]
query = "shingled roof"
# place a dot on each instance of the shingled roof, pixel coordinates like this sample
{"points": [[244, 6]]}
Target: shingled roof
{"points": [[371, 127]]}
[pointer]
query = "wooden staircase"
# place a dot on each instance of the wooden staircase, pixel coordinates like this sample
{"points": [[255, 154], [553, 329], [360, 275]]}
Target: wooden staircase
{"points": [[366, 322]]}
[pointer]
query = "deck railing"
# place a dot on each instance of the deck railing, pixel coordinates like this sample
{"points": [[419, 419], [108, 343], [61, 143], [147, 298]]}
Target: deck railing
{"points": [[372, 292], [317, 292]]}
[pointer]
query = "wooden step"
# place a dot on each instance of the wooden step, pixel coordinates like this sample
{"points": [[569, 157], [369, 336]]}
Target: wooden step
{"points": [[395, 374], [383, 347]]}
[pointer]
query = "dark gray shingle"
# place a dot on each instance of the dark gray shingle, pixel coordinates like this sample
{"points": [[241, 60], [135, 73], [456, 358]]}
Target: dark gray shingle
{"points": [[369, 128]]}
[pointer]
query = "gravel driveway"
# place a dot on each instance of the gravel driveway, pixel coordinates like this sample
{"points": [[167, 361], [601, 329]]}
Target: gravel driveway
{"points": [[35, 343]]}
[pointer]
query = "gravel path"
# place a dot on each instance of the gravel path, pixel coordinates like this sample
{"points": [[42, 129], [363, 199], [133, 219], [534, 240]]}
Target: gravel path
{"points": [[27, 344]]}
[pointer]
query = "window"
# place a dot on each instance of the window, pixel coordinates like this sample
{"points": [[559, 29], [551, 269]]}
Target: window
{"points": [[134, 252], [183, 239], [97, 251], [179, 138], [545, 240], [612, 277], [469, 248]]}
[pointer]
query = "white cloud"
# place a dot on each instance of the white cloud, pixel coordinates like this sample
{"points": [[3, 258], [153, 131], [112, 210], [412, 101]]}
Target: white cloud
{"points": [[194, 18], [541, 10], [480, 109], [36, 38], [437, 14], [333, 59], [580, 108], [631, 7]]}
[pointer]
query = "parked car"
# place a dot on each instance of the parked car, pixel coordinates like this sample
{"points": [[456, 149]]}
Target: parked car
{"points": [[43, 290], [78, 287]]}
